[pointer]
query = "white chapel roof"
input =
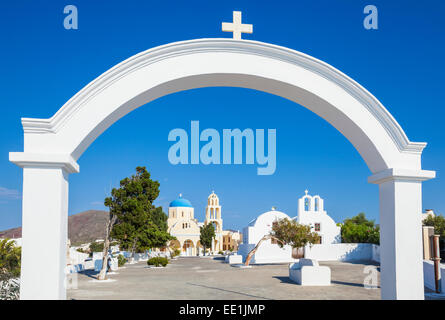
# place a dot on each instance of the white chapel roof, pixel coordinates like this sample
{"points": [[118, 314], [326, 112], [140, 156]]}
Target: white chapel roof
{"points": [[268, 217]]}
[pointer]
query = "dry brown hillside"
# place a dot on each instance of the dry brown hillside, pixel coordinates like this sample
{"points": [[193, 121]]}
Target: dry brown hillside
{"points": [[82, 227]]}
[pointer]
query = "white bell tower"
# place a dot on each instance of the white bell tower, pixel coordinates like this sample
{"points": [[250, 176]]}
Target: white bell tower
{"points": [[213, 215]]}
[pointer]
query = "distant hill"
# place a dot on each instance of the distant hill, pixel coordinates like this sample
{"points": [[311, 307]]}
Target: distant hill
{"points": [[83, 227], [87, 226]]}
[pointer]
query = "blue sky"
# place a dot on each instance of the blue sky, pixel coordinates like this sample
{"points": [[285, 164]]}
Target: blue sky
{"points": [[401, 63]]}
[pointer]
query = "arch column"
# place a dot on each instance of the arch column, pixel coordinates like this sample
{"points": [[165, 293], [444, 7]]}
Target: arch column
{"points": [[44, 224], [401, 260]]}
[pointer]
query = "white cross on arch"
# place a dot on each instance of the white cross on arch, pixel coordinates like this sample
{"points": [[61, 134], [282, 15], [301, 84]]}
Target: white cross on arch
{"points": [[237, 27]]}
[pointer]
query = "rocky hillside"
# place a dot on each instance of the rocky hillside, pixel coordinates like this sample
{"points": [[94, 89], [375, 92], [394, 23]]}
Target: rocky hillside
{"points": [[82, 227]]}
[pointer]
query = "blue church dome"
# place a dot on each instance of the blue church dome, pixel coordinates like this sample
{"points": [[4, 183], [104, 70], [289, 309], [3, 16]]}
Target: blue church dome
{"points": [[181, 202]]}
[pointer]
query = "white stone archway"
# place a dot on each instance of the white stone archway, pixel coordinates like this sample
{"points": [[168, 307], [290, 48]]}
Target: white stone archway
{"points": [[52, 146], [188, 248]]}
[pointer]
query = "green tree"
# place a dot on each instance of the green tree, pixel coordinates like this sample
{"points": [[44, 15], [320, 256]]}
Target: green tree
{"points": [[152, 236], [159, 218], [290, 232], [207, 233], [360, 219], [287, 232], [139, 224], [438, 222], [358, 229]]}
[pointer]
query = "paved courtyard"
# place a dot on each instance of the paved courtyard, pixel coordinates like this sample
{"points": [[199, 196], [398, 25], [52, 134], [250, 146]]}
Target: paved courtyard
{"points": [[212, 279]]}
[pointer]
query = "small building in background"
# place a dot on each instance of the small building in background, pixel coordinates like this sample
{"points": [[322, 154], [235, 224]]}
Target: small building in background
{"points": [[428, 213], [231, 240]]}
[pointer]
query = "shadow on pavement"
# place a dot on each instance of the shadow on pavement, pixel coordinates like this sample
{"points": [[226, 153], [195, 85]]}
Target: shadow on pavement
{"points": [[219, 289]]}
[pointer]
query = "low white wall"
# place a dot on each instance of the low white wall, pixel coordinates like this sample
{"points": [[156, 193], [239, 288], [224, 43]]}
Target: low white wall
{"points": [[97, 260], [76, 257], [343, 252], [321, 252], [428, 275], [89, 264], [267, 253], [75, 268], [141, 256]]}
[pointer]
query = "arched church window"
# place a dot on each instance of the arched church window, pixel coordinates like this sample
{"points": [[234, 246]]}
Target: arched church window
{"points": [[316, 201], [307, 204]]}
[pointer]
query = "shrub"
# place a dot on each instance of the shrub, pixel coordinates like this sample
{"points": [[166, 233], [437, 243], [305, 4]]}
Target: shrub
{"points": [[10, 261], [10, 258], [220, 252], [157, 261], [121, 260], [9, 286], [360, 230], [176, 253], [96, 247]]}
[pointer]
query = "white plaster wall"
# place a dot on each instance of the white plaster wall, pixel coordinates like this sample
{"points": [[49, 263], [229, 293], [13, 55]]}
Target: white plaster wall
{"points": [[262, 225], [329, 231], [267, 252], [89, 264], [341, 252], [75, 268], [428, 275], [97, 260], [141, 256], [77, 257]]}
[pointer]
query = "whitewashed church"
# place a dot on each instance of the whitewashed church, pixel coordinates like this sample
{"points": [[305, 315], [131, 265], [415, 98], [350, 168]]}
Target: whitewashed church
{"points": [[310, 212]]}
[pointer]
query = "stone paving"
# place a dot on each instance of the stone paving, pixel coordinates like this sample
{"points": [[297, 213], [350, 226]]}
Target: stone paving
{"points": [[193, 278]]}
